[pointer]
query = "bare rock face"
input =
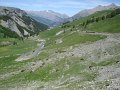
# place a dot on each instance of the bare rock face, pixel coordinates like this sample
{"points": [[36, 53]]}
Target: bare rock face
{"points": [[11, 11], [11, 25], [18, 21]]}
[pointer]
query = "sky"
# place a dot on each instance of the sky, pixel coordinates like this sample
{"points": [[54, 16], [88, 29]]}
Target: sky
{"points": [[69, 7]]}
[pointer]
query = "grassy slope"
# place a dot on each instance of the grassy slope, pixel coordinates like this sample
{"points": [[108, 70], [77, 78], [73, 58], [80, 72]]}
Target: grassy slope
{"points": [[97, 14], [109, 25], [21, 47], [69, 38], [50, 33], [78, 66], [73, 39], [12, 52], [42, 74]]}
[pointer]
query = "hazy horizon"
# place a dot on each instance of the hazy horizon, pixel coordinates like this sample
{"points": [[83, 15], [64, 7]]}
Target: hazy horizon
{"points": [[68, 7]]}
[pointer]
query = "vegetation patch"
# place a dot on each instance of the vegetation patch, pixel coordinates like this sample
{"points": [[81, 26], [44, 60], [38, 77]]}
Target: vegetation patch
{"points": [[73, 39], [7, 33], [21, 46], [110, 25]]}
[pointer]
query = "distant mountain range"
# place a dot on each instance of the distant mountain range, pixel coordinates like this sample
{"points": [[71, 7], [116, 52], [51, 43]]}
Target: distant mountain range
{"points": [[25, 23], [52, 18], [18, 21], [49, 17], [88, 12]]}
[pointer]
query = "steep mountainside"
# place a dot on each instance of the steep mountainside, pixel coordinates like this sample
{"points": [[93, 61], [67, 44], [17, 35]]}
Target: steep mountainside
{"points": [[91, 11], [16, 20], [49, 17]]}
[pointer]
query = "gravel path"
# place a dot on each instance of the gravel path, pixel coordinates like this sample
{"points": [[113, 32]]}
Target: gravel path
{"points": [[31, 54]]}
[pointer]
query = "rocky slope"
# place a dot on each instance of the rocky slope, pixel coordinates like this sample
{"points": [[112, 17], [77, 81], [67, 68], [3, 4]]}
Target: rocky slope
{"points": [[18, 21], [88, 12], [49, 17]]}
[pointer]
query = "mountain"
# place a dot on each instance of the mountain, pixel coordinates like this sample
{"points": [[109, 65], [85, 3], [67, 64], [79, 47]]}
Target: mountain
{"points": [[83, 54], [18, 21], [49, 17], [88, 12], [42, 20]]}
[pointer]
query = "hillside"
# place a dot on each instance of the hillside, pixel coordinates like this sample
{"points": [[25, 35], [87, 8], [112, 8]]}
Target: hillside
{"points": [[78, 55], [88, 12], [45, 21], [75, 56], [109, 25], [16, 20], [108, 19]]}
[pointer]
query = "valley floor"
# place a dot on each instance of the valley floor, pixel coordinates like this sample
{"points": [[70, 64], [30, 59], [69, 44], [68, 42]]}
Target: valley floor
{"points": [[90, 65]]}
